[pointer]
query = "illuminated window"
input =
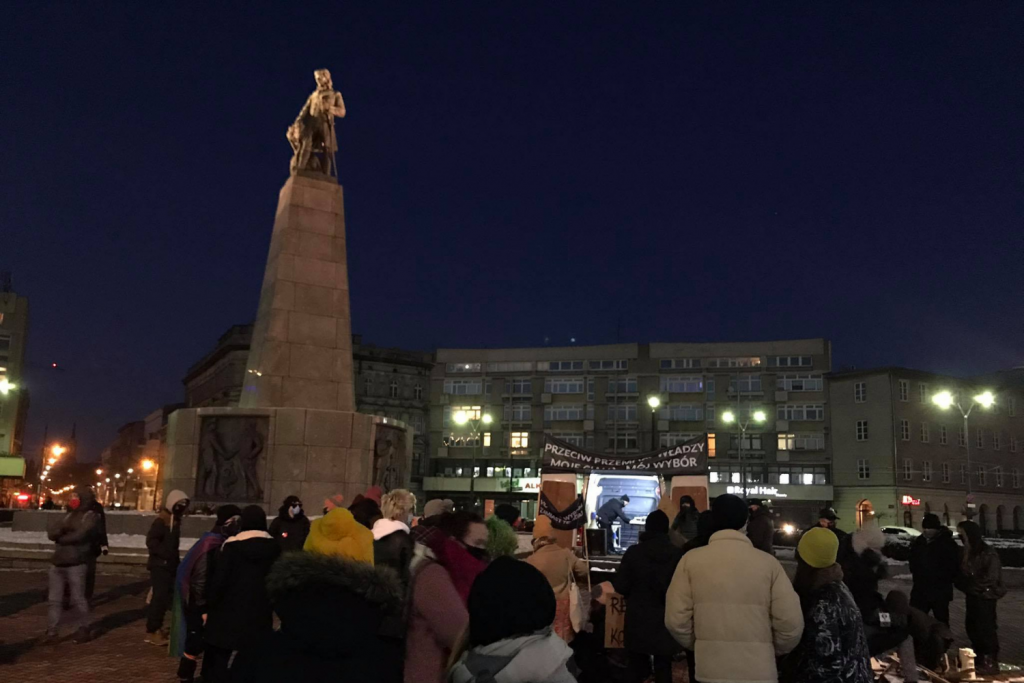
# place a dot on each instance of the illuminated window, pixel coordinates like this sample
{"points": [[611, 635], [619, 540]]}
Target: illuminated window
{"points": [[472, 413], [743, 362], [519, 441], [801, 442], [783, 477], [711, 445]]}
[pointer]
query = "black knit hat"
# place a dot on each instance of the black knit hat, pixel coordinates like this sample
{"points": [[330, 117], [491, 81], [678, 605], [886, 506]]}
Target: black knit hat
{"points": [[508, 599], [253, 519], [226, 512], [729, 512], [931, 521], [657, 523]]}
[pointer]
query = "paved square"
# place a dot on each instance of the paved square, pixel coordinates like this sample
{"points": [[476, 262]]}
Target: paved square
{"points": [[118, 652]]}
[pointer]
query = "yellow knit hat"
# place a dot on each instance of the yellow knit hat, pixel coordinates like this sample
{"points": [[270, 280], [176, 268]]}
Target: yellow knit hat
{"points": [[338, 533], [819, 547]]}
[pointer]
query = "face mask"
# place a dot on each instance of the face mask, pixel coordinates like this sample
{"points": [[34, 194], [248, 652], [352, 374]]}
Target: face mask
{"points": [[478, 553], [295, 510], [74, 503]]}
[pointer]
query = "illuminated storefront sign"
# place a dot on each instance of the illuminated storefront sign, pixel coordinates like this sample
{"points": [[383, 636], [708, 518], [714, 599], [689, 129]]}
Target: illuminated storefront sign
{"points": [[910, 500], [765, 491]]}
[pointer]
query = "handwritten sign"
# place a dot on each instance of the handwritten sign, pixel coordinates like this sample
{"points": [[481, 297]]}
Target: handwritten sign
{"points": [[615, 622]]}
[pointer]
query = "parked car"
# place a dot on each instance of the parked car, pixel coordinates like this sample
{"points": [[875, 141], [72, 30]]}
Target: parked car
{"points": [[904, 531]]}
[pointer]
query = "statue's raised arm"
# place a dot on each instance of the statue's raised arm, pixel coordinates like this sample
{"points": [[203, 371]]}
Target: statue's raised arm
{"points": [[312, 136]]}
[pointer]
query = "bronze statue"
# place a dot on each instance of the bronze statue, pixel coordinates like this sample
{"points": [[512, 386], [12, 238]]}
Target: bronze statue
{"points": [[312, 135]]}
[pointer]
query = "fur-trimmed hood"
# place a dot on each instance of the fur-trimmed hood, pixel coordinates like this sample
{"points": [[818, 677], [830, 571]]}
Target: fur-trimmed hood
{"points": [[332, 607]]}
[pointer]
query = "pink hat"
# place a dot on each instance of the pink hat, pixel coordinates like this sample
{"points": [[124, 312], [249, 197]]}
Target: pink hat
{"points": [[374, 493]]}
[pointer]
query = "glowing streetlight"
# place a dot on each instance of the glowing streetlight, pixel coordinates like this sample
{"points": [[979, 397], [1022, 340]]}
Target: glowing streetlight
{"points": [[52, 461], [654, 401], [147, 464], [130, 470], [117, 476], [758, 417], [99, 472], [462, 417], [945, 400], [57, 450], [6, 386], [107, 480]]}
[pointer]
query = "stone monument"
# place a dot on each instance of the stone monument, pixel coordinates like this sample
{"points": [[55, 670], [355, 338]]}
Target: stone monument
{"points": [[295, 430]]}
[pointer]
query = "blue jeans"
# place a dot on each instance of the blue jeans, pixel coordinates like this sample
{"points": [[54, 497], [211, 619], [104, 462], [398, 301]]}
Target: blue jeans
{"points": [[74, 579]]}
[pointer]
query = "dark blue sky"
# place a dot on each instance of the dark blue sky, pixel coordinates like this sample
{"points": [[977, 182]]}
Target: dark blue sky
{"points": [[515, 172]]}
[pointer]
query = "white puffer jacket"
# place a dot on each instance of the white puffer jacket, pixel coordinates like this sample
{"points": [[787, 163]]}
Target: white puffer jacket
{"points": [[734, 606]]}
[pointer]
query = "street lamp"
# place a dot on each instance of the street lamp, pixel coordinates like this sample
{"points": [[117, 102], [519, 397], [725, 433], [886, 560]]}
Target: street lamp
{"points": [[57, 450], [945, 400], [654, 401], [147, 464], [461, 417], [99, 472], [6, 386], [758, 417]]}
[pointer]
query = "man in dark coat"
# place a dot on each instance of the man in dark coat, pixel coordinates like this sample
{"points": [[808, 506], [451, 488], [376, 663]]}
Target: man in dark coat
{"points": [[74, 534], [934, 561], [760, 527], [162, 541], [238, 607], [291, 526], [611, 511], [643, 578]]}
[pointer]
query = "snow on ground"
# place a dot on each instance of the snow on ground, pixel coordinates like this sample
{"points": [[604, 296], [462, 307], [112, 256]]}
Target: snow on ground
{"points": [[116, 540]]}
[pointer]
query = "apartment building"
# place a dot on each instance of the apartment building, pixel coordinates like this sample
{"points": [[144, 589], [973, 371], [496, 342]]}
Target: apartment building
{"points": [[597, 398], [897, 455]]}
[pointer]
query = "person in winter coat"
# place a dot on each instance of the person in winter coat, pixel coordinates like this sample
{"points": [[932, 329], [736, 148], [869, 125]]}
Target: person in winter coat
{"points": [[365, 507], [511, 607], [190, 584], [392, 544], [863, 567], [74, 533], [643, 578], [162, 541], [238, 612], [833, 647], [613, 511], [465, 553], [981, 580], [934, 562], [437, 613], [705, 527], [338, 533], [760, 527], [733, 604], [291, 526], [436, 507], [332, 609], [685, 523], [556, 563]]}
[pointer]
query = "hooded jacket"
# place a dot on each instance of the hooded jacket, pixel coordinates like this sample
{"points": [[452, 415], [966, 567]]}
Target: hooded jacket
{"points": [[338, 533], [237, 602], [164, 536], [536, 658], [833, 646], [933, 563], [437, 612], [331, 609], [735, 607], [555, 563], [75, 532], [643, 578], [982, 575]]}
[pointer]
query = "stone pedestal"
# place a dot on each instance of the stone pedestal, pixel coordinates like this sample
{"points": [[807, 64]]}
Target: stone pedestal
{"points": [[301, 352], [296, 430]]}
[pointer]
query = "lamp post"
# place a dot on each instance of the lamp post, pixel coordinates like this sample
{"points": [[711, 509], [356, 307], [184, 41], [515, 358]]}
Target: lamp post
{"points": [[56, 450], [759, 417], [461, 417], [654, 401], [944, 400]]}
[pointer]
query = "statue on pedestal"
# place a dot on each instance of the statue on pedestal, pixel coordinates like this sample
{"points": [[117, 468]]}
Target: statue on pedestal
{"points": [[312, 135]]}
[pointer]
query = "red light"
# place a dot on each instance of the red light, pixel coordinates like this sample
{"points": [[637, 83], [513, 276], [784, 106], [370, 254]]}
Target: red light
{"points": [[53, 365], [910, 500], [23, 496]]}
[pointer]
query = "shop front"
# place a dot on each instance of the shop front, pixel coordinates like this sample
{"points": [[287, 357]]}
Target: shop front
{"points": [[794, 505]]}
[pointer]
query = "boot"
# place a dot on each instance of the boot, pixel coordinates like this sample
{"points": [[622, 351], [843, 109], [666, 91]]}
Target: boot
{"points": [[987, 665]]}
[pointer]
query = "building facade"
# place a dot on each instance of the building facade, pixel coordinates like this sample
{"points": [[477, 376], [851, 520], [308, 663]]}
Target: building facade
{"points": [[216, 380], [13, 400], [897, 455], [596, 397]]}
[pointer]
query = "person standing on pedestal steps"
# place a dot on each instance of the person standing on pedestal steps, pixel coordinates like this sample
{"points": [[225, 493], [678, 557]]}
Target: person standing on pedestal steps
{"points": [[163, 542]]}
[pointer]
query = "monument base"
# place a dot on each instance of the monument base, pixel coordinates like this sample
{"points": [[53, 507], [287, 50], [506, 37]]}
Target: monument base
{"points": [[262, 455]]}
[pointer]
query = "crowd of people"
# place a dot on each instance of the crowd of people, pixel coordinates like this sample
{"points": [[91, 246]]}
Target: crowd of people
{"points": [[371, 592]]}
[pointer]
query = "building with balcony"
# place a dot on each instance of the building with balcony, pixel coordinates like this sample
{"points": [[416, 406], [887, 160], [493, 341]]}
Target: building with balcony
{"points": [[596, 397], [897, 455]]}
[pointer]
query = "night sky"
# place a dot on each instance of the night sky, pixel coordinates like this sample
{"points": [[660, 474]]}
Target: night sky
{"points": [[515, 173]]}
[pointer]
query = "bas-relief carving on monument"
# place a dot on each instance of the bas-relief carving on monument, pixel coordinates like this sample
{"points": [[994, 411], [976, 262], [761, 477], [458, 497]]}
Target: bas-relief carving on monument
{"points": [[232, 453], [389, 457], [312, 136]]}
